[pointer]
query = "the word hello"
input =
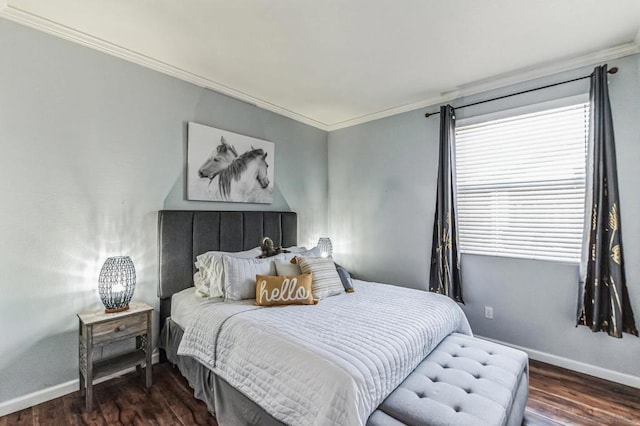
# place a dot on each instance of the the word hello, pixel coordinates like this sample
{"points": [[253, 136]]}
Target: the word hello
{"points": [[289, 291]]}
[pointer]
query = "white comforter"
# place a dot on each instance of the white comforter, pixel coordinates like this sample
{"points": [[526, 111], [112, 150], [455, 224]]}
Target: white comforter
{"points": [[330, 363]]}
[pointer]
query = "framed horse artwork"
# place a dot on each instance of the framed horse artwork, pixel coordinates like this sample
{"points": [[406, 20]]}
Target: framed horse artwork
{"points": [[226, 166]]}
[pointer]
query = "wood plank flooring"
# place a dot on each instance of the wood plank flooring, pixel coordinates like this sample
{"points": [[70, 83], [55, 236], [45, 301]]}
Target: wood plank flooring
{"points": [[556, 397], [562, 397], [123, 401]]}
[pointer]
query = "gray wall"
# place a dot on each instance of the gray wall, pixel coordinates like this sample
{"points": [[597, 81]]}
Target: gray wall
{"points": [[92, 147], [381, 203]]}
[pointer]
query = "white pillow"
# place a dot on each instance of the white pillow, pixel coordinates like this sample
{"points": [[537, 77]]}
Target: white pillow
{"points": [[314, 252], [240, 275], [326, 281], [209, 278], [287, 268], [204, 258], [296, 249]]}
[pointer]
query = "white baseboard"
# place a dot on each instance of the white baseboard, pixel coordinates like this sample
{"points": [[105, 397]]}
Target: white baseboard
{"points": [[53, 392], [71, 386], [570, 364]]}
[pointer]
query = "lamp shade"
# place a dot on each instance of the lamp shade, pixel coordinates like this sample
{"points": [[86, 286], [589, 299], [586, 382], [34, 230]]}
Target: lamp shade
{"points": [[325, 246], [116, 283]]}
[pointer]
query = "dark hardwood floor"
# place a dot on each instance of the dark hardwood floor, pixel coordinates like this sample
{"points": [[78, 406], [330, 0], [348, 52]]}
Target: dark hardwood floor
{"points": [[123, 401], [556, 397], [562, 397]]}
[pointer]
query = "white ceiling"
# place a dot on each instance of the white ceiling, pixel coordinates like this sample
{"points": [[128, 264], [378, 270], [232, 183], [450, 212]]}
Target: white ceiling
{"points": [[332, 63]]}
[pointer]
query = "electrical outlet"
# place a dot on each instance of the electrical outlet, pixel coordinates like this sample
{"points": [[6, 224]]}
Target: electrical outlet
{"points": [[488, 312]]}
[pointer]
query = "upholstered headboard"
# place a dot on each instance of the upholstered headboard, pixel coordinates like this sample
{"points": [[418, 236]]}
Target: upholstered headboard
{"points": [[184, 234]]}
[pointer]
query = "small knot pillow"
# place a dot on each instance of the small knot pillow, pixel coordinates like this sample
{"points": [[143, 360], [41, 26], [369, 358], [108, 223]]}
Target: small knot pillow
{"points": [[284, 290], [326, 281]]}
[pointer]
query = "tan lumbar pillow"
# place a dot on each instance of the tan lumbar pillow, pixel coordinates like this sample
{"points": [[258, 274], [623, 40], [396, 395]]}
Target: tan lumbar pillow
{"points": [[284, 290]]}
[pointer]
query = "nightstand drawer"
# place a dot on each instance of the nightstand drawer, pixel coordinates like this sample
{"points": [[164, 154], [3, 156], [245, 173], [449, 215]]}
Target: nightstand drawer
{"points": [[122, 328]]}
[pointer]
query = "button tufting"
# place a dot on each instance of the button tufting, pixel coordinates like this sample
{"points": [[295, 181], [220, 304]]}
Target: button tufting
{"points": [[485, 355]]}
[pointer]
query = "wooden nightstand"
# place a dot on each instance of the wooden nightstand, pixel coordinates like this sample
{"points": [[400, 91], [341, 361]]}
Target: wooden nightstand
{"points": [[96, 329]]}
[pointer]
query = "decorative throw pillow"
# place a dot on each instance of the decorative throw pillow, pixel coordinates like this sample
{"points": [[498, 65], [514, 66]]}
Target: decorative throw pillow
{"points": [[209, 278], [345, 278], [240, 276], [326, 281], [284, 290], [287, 268]]}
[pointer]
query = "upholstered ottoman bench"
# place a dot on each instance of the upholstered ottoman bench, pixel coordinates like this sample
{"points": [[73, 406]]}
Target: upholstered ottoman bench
{"points": [[464, 381]]}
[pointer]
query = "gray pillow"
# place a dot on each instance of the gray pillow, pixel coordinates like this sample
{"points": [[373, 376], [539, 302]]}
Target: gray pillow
{"points": [[345, 278]]}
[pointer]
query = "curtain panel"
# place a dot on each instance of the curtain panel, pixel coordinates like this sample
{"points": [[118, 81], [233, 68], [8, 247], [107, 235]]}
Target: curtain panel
{"points": [[603, 303], [445, 277]]}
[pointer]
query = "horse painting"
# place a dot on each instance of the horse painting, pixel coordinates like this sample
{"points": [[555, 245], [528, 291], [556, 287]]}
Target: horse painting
{"points": [[229, 167], [245, 179], [220, 158]]}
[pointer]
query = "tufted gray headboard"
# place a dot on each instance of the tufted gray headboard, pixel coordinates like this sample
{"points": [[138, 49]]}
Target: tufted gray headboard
{"points": [[184, 234]]}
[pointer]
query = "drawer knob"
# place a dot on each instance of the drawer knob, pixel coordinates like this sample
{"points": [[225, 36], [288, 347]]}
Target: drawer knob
{"points": [[121, 327]]}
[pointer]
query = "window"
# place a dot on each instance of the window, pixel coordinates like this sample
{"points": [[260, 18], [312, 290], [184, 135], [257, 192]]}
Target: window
{"points": [[521, 184]]}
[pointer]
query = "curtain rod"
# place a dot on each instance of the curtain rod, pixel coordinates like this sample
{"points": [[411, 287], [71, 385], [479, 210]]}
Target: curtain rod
{"points": [[611, 71]]}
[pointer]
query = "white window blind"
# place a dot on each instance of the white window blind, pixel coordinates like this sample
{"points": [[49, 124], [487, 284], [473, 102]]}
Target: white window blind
{"points": [[521, 184]]}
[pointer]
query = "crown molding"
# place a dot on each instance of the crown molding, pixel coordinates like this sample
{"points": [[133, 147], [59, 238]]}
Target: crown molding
{"points": [[23, 17], [503, 80], [393, 111], [549, 68]]}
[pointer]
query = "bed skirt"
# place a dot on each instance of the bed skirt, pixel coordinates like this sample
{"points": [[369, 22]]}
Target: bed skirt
{"points": [[230, 406]]}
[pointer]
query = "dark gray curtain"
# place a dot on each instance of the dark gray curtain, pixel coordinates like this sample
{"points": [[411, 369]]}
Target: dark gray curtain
{"points": [[603, 304], [445, 252]]}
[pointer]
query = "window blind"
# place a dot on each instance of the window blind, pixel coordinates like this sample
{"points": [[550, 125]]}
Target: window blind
{"points": [[521, 184]]}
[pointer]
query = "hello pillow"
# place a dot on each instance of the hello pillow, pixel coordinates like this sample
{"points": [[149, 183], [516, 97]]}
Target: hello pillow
{"points": [[284, 290]]}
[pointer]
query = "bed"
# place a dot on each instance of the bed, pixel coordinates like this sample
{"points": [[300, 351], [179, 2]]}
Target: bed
{"points": [[330, 363]]}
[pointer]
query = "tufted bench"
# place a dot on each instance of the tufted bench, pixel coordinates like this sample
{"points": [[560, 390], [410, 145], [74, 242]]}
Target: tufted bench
{"points": [[463, 381]]}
